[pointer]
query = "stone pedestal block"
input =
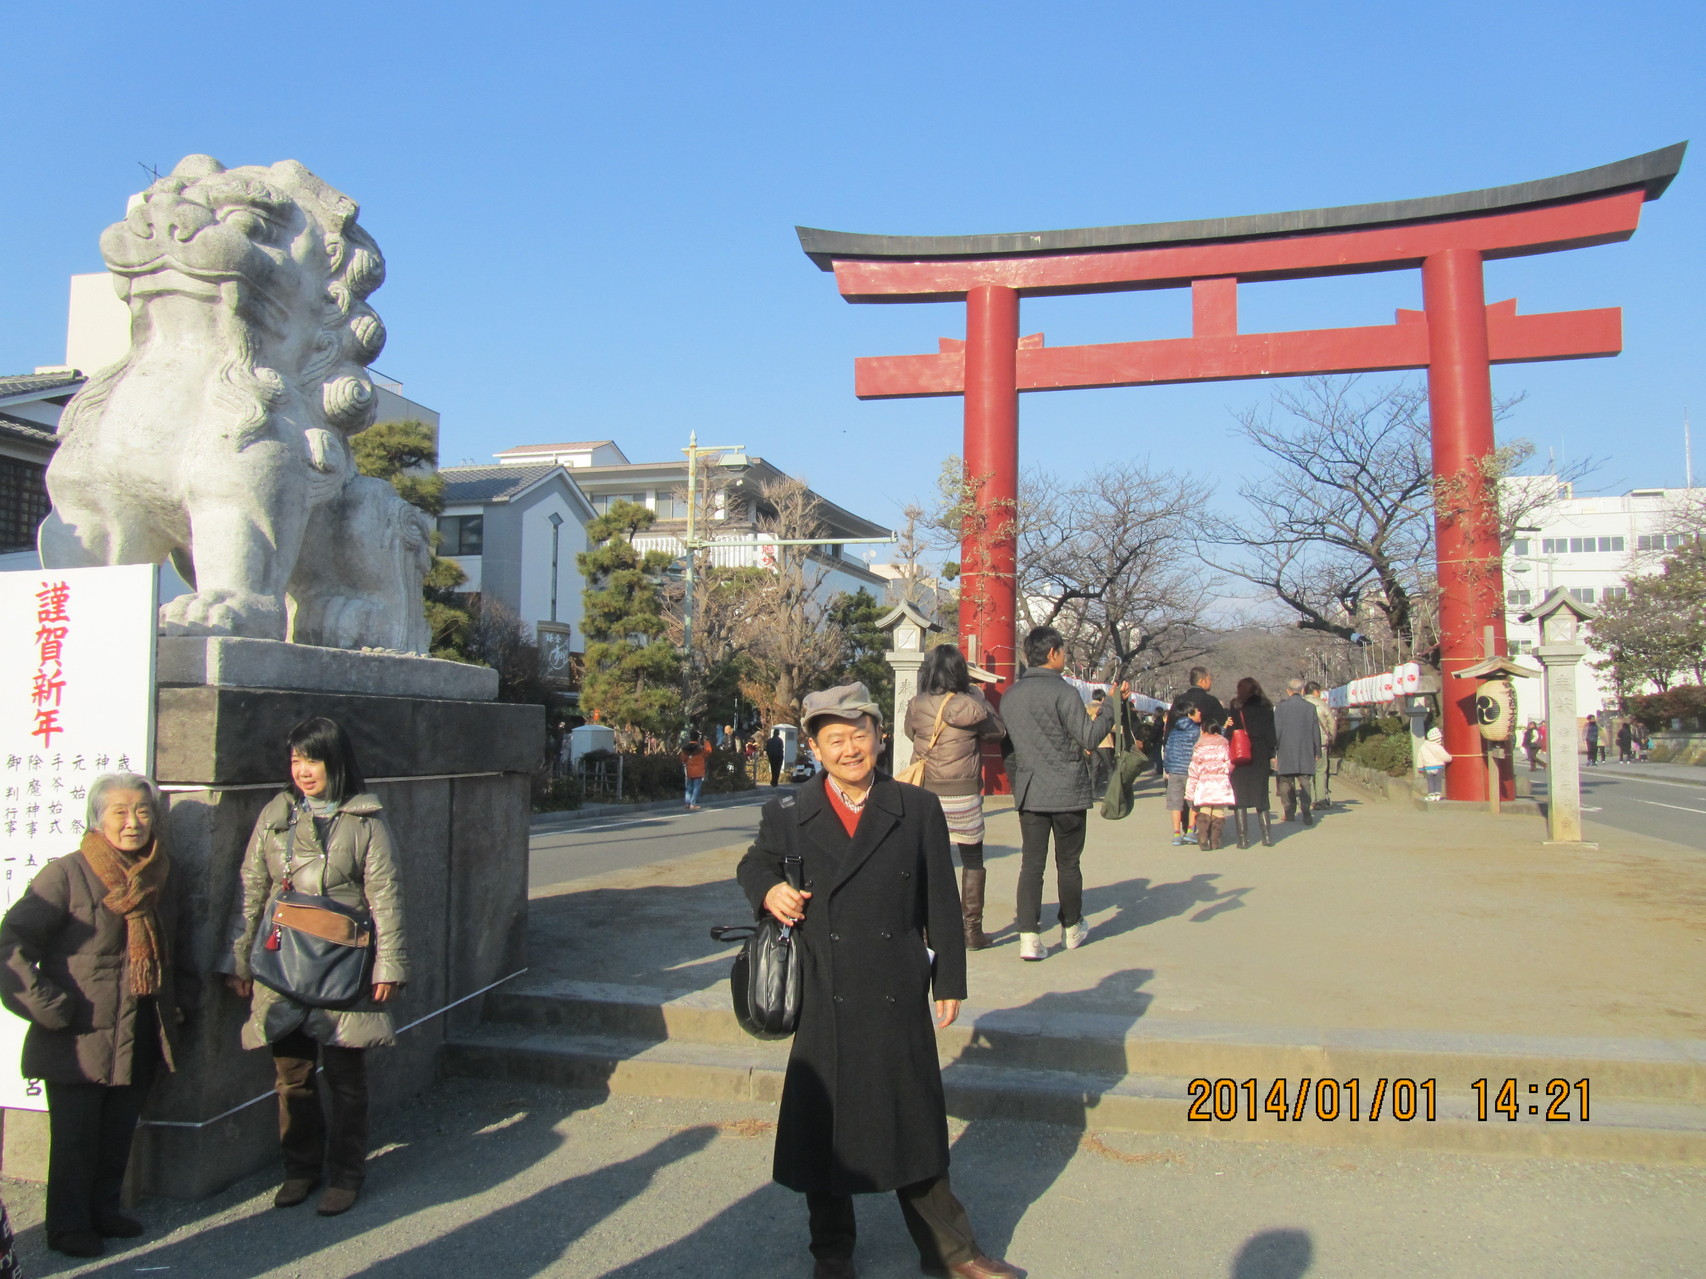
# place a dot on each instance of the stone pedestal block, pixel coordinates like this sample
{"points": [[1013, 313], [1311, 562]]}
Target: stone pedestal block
{"points": [[454, 779]]}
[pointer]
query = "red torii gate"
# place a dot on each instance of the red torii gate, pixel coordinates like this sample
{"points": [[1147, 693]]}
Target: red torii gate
{"points": [[1456, 337]]}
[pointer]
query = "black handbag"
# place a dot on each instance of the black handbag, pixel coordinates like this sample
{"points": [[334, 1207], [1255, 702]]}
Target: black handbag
{"points": [[313, 949], [766, 979]]}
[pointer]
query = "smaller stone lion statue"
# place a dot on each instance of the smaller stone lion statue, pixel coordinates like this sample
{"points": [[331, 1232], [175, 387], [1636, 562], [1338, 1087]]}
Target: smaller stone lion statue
{"points": [[221, 440]]}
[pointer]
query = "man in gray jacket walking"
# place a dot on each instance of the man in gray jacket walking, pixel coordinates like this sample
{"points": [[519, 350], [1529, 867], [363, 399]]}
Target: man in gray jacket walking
{"points": [[1299, 732], [1052, 738]]}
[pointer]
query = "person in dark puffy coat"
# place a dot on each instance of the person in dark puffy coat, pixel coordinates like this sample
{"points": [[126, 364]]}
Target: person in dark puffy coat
{"points": [[96, 956], [862, 1108], [1184, 726]]}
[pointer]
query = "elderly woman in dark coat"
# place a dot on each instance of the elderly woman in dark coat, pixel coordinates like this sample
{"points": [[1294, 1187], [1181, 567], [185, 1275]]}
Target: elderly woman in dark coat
{"points": [[1254, 713], [862, 1106], [95, 955]]}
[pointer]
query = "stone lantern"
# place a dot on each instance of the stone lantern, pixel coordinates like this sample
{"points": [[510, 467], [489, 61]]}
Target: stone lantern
{"points": [[908, 629], [1560, 617]]}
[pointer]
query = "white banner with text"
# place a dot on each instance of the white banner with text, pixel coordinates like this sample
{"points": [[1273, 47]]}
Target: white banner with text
{"points": [[76, 701]]}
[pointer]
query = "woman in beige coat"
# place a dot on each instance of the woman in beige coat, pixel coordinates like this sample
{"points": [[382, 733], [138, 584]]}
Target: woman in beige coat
{"points": [[324, 836], [95, 955], [953, 765]]}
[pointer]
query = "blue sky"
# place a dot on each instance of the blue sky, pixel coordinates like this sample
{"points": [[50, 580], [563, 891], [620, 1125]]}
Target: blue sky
{"points": [[588, 211]]}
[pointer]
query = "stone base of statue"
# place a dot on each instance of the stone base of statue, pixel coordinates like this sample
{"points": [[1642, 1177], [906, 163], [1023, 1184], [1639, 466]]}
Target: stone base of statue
{"points": [[452, 768]]}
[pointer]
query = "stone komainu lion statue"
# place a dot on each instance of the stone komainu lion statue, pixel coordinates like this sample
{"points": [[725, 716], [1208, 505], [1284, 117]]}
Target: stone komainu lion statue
{"points": [[222, 439]]}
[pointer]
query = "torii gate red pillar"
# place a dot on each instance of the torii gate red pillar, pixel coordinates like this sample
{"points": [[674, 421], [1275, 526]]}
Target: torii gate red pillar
{"points": [[1455, 338], [1470, 572], [989, 554]]}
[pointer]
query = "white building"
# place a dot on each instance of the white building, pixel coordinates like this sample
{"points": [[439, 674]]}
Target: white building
{"points": [[1590, 546], [730, 512], [515, 531]]}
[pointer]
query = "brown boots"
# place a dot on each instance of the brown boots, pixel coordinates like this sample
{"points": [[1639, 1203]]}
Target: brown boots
{"points": [[971, 906], [1210, 823]]}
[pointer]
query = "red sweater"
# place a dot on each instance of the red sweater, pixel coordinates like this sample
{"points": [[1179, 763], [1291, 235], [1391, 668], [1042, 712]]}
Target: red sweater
{"points": [[849, 818]]}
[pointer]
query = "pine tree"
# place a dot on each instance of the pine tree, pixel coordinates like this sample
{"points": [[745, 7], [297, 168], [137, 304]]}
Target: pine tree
{"points": [[403, 453], [633, 672], [857, 614]]}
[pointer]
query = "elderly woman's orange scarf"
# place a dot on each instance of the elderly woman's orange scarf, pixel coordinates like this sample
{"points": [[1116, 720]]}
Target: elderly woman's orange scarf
{"points": [[133, 886]]}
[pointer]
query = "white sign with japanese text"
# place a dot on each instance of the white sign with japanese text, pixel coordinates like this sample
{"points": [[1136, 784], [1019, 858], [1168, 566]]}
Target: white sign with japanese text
{"points": [[76, 701]]}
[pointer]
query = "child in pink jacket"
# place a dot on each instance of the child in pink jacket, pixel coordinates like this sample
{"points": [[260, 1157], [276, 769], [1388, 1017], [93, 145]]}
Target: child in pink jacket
{"points": [[1208, 787]]}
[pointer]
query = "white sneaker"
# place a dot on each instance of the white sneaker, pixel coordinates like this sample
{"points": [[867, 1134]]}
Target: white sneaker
{"points": [[1075, 935], [1031, 946]]}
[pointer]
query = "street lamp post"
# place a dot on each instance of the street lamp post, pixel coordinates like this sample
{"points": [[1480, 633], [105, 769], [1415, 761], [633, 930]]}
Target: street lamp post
{"points": [[691, 543]]}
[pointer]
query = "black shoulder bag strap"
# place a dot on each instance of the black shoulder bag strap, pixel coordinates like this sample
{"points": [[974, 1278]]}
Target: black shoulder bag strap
{"points": [[793, 865]]}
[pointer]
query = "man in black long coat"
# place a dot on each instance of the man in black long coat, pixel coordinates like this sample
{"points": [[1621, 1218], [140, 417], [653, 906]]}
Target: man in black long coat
{"points": [[862, 1107]]}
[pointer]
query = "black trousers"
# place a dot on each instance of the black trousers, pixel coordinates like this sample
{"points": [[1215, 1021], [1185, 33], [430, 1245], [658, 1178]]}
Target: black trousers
{"points": [[90, 1127], [302, 1133], [775, 769], [934, 1217], [1034, 831]]}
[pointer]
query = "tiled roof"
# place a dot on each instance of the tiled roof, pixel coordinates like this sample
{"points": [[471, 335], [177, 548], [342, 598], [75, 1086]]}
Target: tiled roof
{"points": [[30, 383], [489, 483], [554, 448], [20, 429]]}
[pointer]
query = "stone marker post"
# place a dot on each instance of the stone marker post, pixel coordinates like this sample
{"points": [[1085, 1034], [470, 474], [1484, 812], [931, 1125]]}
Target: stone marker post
{"points": [[908, 628], [1560, 651]]}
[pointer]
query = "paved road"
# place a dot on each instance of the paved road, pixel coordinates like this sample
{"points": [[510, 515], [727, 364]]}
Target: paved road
{"points": [[484, 1179], [1674, 811], [620, 843], [1644, 805]]}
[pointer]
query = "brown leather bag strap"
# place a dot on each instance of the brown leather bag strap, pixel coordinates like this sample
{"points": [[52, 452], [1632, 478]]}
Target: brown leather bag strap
{"points": [[941, 713]]}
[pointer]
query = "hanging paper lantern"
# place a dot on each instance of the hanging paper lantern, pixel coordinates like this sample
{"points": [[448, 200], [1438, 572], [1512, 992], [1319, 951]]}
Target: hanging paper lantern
{"points": [[1495, 709]]}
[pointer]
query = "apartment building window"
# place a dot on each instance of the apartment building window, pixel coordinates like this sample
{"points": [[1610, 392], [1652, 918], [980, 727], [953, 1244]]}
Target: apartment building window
{"points": [[1614, 593], [1517, 599], [1579, 545], [461, 534], [1662, 541], [1520, 546], [601, 502], [1582, 594], [1520, 647]]}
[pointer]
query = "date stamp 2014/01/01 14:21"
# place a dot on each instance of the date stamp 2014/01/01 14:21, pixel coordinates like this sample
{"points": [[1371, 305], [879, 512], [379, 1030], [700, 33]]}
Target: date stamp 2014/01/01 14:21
{"points": [[1401, 1099]]}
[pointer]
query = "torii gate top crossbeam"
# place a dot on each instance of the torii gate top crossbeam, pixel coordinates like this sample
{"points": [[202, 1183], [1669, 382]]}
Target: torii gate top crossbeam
{"points": [[844, 252]]}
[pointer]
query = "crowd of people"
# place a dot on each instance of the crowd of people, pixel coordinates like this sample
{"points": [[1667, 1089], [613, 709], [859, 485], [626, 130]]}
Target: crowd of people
{"points": [[1220, 760], [1634, 741]]}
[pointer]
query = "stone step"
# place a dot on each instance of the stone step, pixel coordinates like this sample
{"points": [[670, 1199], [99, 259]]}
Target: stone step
{"points": [[1635, 1131], [1114, 1046]]}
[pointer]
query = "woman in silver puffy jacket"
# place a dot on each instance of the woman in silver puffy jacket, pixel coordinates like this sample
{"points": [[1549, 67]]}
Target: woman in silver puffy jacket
{"points": [[326, 836]]}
